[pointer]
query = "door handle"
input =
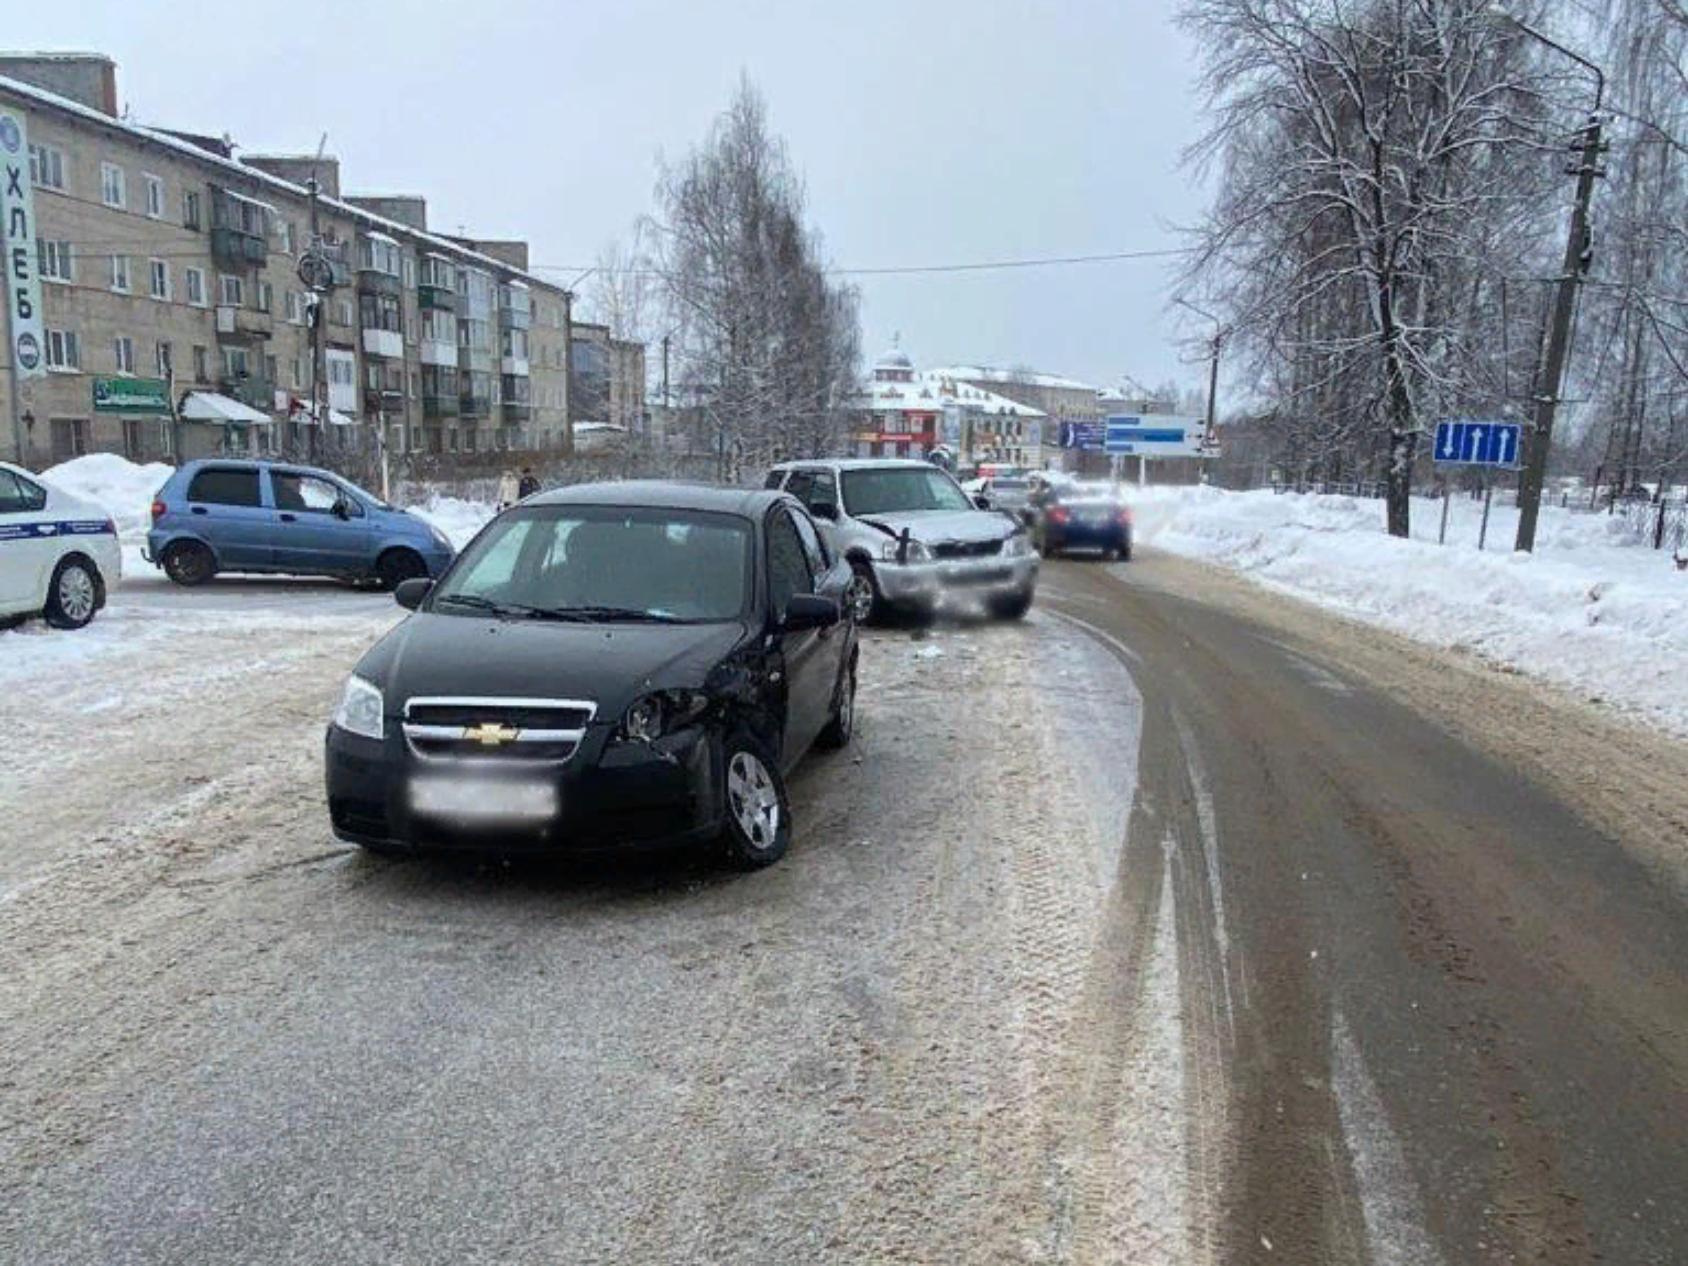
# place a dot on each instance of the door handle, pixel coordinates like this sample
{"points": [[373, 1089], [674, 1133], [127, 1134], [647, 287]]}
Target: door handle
{"points": [[196, 509], [289, 518]]}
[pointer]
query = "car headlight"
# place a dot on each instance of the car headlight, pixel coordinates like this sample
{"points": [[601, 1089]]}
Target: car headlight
{"points": [[892, 550], [361, 709], [1017, 546], [440, 538], [651, 716]]}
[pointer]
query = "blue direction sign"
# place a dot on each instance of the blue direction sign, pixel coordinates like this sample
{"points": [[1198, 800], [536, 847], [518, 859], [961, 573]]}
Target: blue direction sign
{"points": [[1151, 435], [1474, 442]]}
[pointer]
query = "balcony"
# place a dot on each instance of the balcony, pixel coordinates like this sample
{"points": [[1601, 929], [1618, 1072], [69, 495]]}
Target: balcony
{"points": [[475, 359], [439, 352], [372, 281], [387, 343], [238, 249], [257, 392], [514, 365], [473, 406], [515, 318], [437, 298], [378, 401], [243, 324], [517, 411], [439, 406]]}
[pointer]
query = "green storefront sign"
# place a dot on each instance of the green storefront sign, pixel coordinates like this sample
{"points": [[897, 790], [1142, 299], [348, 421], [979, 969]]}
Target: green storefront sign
{"points": [[131, 395]]}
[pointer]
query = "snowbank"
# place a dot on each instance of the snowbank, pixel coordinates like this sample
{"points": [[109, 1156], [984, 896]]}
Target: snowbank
{"points": [[1590, 609], [123, 488], [458, 519]]}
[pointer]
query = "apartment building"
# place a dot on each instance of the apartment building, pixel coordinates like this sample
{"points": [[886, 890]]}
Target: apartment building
{"points": [[169, 275], [608, 384]]}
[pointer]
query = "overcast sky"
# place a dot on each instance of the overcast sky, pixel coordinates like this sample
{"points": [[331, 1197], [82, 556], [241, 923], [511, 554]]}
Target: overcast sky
{"points": [[928, 132]]}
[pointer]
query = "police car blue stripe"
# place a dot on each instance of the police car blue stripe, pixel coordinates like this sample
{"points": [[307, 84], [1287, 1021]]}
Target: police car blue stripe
{"points": [[63, 527]]}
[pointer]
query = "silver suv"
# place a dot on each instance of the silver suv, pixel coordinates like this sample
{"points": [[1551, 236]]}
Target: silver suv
{"points": [[911, 535]]}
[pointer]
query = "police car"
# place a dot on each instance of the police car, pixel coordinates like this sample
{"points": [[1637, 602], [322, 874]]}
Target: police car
{"points": [[58, 553]]}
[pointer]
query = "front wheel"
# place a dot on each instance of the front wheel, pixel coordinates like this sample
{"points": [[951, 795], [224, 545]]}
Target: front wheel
{"points": [[397, 566], [757, 830], [1012, 606], [861, 595], [73, 594]]}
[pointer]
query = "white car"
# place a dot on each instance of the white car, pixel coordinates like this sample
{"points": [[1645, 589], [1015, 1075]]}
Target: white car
{"points": [[58, 553]]}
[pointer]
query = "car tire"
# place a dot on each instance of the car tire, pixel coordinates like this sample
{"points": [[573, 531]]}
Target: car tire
{"points": [[189, 563], [1123, 553], [862, 598], [73, 594], [1012, 606], [756, 815], [398, 565], [842, 726]]}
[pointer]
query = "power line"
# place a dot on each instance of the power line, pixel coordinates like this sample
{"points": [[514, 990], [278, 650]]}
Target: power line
{"points": [[894, 270]]}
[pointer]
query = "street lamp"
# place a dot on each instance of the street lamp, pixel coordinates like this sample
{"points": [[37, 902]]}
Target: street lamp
{"points": [[1556, 347]]}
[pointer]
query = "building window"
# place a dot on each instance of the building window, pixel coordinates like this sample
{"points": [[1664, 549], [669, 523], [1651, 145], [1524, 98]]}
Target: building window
{"points": [[190, 209], [409, 272], [113, 191], [158, 278], [266, 297], [229, 289], [284, 236], [46, 167], [124, 348], [161, 359], [55, 260], [269, 369], [64, 351], [290, 305], [155, 195], [201, 369], [196, 287], [120, 273], [298, 373], [234, 363], [342, 371], [343, 312]]}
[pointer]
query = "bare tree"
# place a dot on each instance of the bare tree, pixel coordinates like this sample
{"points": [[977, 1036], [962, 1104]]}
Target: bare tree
{"points": [[1365, 158], [768, 347]]}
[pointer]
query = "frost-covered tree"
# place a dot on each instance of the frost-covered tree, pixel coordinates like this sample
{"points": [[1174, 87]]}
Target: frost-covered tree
{"points": [[767, 346], [1377, 182]]}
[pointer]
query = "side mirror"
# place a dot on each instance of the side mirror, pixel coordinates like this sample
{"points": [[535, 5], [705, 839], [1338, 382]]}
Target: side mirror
{"points": [[824, 510], [982, 501], [409, 593], [341, 510], [809, 611]]}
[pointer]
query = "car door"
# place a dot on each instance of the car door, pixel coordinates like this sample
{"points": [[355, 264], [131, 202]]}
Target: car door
{"points": [[311, 536], [803, 654], [27, 551], [832, 577], [226, 508]]}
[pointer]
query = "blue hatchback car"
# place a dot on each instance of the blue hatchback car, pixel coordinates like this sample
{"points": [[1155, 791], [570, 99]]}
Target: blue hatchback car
{"points": [[221, 514]]}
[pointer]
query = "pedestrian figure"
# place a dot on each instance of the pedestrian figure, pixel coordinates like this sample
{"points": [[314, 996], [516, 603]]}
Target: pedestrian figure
{"points": [[509, 490], [529, 483]]}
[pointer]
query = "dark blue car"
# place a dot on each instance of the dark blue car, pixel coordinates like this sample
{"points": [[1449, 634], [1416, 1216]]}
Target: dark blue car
{"points": [[220, 514]]}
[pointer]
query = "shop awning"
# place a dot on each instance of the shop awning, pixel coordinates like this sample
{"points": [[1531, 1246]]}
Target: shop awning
{"points": [[209, 406], [304, 411]]}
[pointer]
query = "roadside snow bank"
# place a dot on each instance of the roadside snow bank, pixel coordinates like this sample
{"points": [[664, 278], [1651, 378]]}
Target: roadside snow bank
{"points": [[1590, 609], [458, 519], [123, 488]]}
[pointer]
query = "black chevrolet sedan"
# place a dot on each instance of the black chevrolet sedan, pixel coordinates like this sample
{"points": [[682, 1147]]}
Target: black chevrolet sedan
{"points": [[603, 666]]}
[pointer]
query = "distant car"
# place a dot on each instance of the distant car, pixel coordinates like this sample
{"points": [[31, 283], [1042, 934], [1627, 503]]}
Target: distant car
{"points": [[223, 514], [1079, 518], [910, 534], [1008, 493], [604, 666], [58, 552]]}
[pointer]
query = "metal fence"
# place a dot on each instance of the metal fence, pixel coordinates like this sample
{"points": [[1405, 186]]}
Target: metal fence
{"points": [[1661, 523]]}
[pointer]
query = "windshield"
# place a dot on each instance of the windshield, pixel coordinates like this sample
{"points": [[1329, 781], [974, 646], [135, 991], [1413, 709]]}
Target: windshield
{"points": [[899, 489], [603, 563]]}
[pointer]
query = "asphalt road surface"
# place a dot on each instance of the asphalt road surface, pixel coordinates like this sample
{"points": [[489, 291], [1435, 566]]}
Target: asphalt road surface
{"points": [[1179, 923]]}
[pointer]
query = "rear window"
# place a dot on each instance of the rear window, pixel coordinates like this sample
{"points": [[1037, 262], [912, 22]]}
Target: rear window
{"points": [[225, 486], [19, 496]]}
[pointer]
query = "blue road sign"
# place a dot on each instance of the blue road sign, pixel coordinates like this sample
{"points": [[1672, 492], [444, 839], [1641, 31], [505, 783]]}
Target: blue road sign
{"points": [[1474, 442], [1153, 436], [1082, 435]]}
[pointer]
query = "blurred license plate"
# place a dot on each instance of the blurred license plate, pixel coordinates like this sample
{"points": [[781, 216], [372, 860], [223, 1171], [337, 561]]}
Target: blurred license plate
{"points": [[1095, 518], [483, 799]]}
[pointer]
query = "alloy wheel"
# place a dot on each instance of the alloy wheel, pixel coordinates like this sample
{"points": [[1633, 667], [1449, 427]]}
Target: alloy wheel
{"points": [[76, 593], [754, 800], [858, 597]]}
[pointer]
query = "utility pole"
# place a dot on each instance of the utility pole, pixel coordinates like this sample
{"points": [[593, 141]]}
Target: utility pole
{"points": [[1578, 253], [665, 375], [1212, 388], [319, 389]]}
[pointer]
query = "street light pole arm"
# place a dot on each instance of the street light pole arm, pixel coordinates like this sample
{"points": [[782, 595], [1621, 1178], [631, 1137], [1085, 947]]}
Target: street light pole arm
{"points": [[1599, 75]]}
